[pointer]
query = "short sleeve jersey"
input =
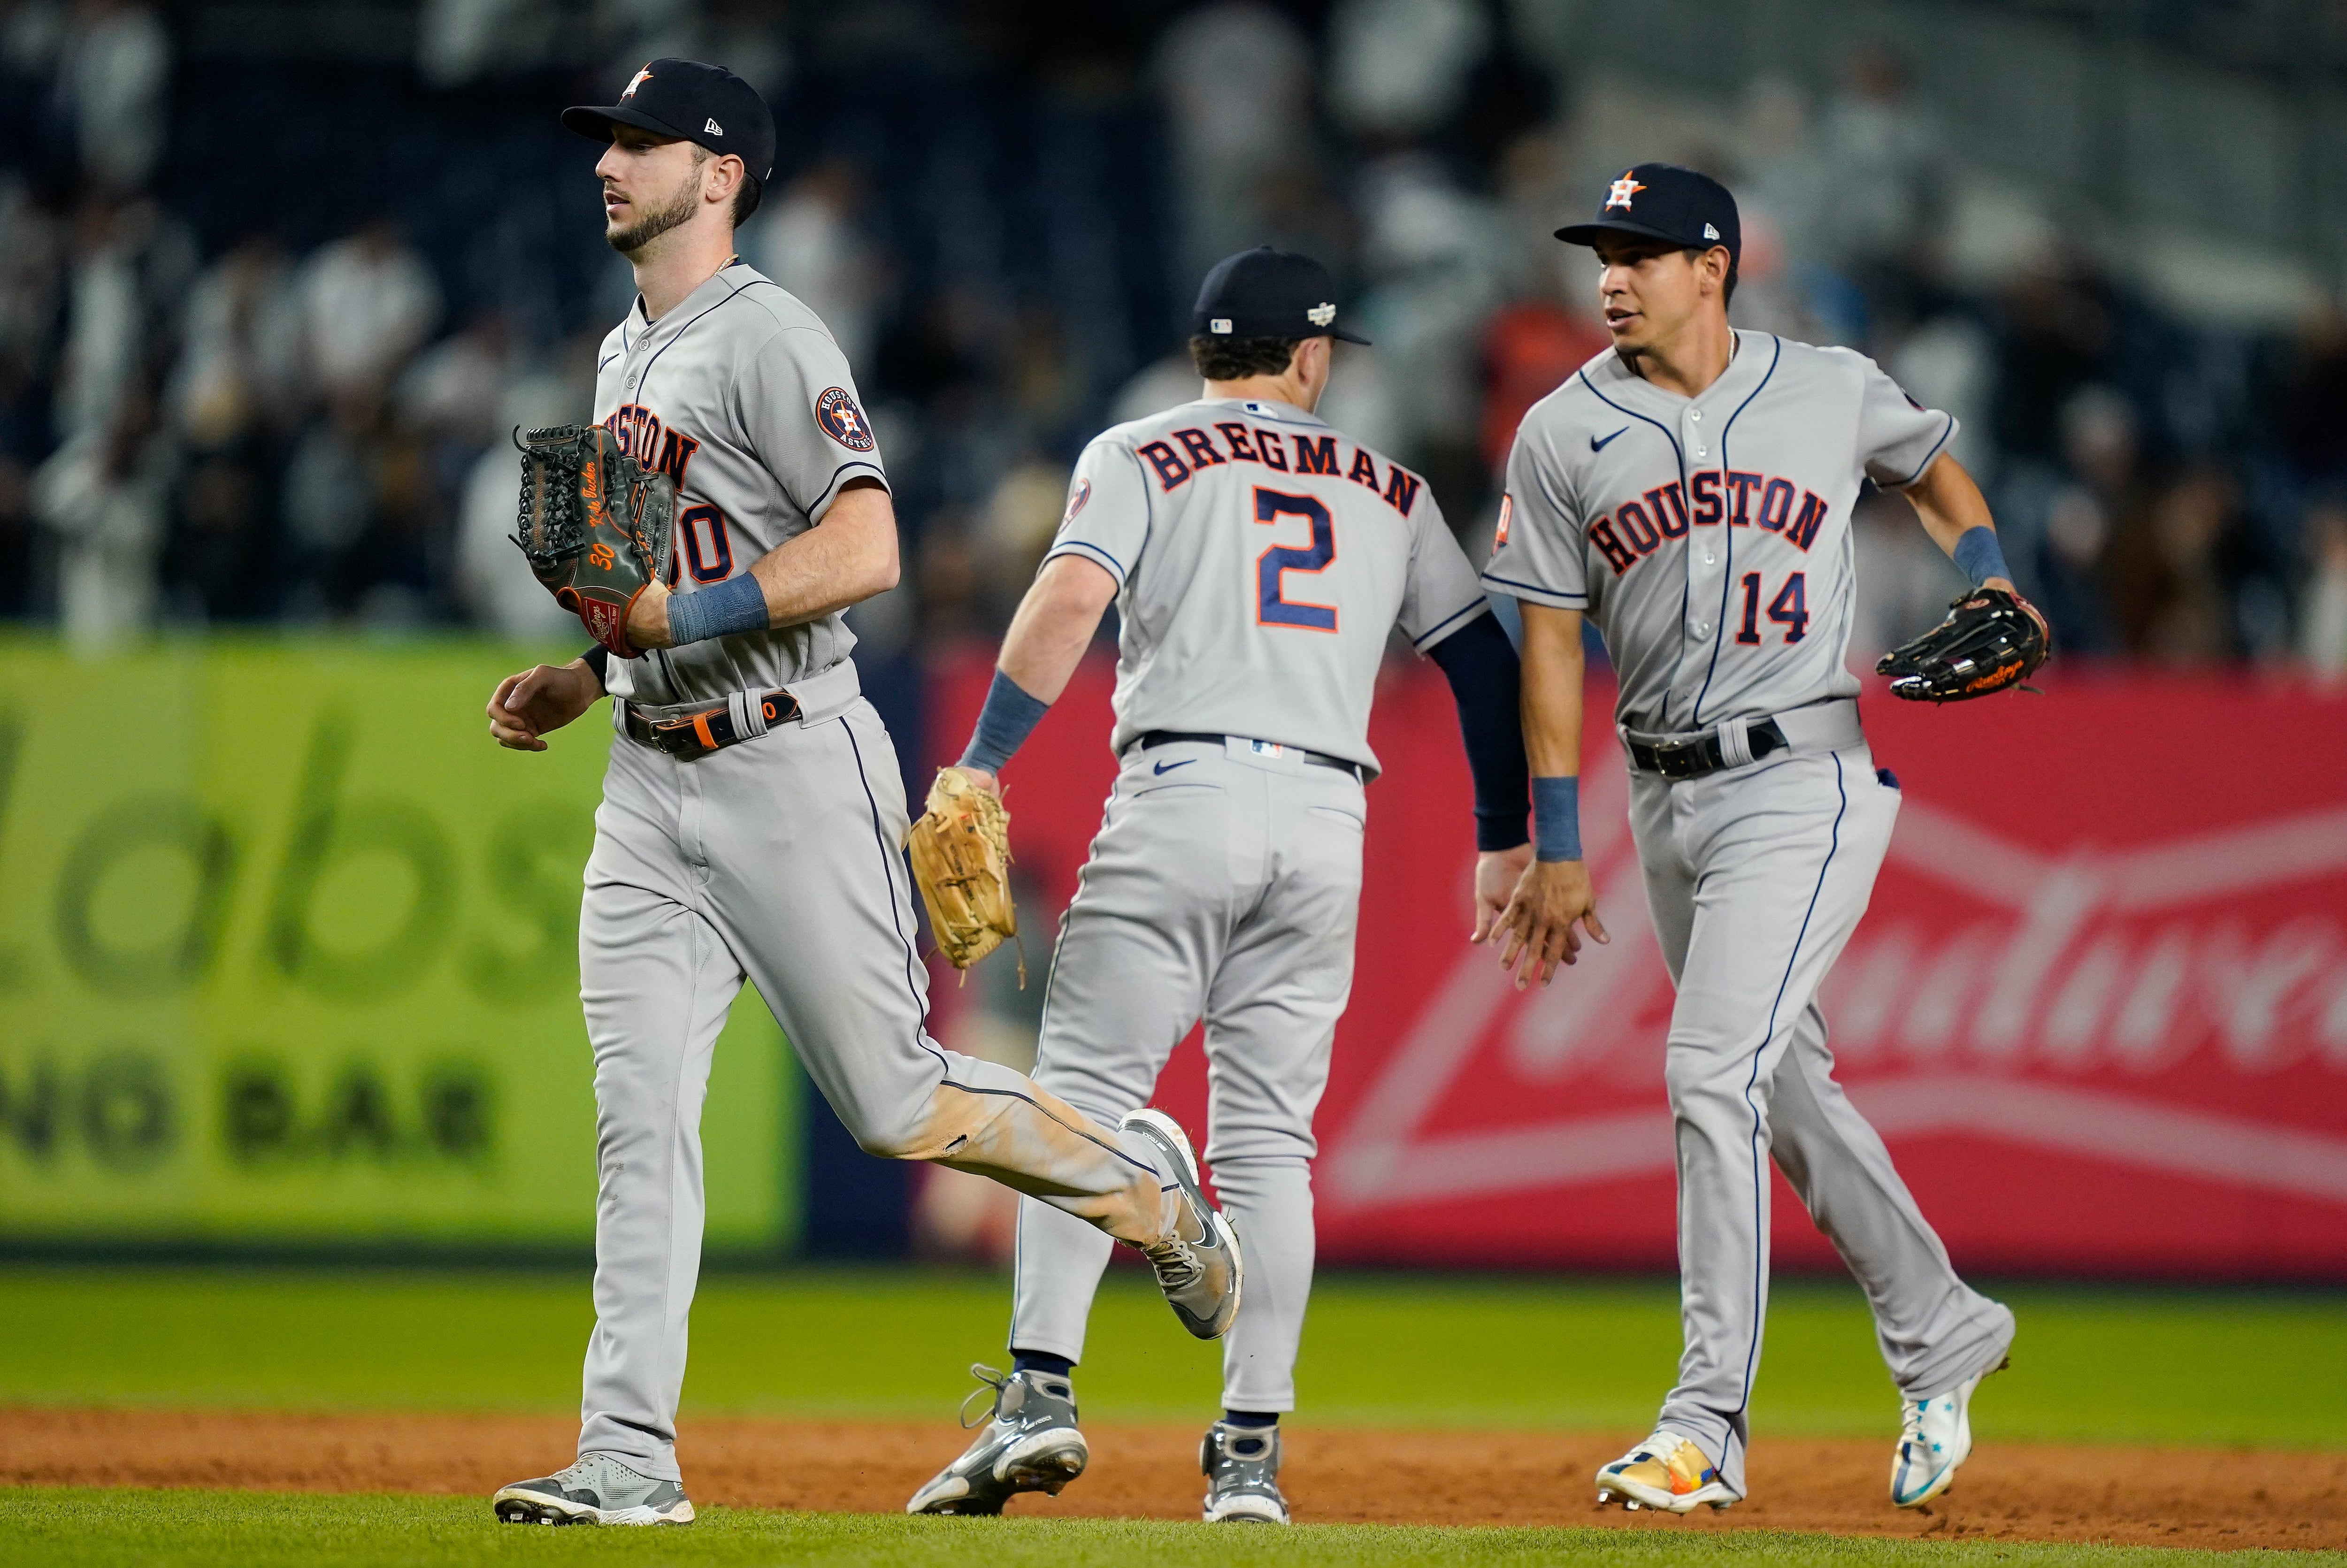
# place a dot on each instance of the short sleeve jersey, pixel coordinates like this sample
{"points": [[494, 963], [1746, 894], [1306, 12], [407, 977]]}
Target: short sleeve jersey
{"points": [[1262, 562], [741, 397], [1708, 539]]}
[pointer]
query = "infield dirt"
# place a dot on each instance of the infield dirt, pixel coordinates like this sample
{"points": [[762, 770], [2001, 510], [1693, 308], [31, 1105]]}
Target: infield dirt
{"points": [[2147, 1497]]}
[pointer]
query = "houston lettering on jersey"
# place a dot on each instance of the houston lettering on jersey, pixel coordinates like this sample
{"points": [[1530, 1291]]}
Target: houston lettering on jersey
{"points": [[1741, 499], [640, 434], [1248, 442]]}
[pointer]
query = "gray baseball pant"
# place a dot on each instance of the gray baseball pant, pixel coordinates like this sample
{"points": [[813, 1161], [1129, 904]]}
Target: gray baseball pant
{"points": [[778, 860], [1756, 877], [1227, 887]]}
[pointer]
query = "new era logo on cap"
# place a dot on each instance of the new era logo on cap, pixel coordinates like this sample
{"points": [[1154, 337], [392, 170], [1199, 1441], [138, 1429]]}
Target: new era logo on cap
{"points": [[714, 129], [1320, 315], [1709, 233]]}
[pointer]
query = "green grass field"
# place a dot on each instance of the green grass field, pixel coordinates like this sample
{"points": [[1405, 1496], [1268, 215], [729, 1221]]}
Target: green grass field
{"points": [[200, 1529], [2249, 1369]]}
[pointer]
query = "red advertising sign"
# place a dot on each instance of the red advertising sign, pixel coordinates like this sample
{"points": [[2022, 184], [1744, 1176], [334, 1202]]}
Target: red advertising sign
{"points": [[2098, 1006]]}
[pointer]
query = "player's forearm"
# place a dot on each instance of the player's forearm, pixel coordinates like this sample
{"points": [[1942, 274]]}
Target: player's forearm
{"points": [[1553, 670], [1949, 506], [845, 560], [1054, 625], [1552, 665], [1047, 641]]}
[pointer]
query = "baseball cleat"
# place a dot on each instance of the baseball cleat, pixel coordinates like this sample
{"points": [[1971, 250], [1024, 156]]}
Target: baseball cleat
{"points": [[598, 1490], [1935, 1437], [1198, 1267], [1030, 1443], [1665, 1472], [1242, 1466]]}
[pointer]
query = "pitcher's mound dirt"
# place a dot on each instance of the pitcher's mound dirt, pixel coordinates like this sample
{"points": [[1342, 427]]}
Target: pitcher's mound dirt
{"points": [[2152, 1497]]}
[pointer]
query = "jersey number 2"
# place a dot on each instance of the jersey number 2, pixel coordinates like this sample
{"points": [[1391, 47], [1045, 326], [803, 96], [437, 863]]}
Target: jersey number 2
{"points": [[1789, 608], [1273, 608]]}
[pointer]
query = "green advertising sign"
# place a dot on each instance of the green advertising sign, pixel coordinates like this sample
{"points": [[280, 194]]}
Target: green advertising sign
{"points": [[289, 955]]}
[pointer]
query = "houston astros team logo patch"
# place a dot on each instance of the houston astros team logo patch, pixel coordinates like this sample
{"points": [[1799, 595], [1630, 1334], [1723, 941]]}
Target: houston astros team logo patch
{"points": [[1499, 534], [1618, 194], [841, 420], [639, 79], [1076, 499]]}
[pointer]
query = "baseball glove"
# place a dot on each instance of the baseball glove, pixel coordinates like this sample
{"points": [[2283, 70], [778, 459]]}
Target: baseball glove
{"points": [[960, 850], [595, 525], [1990, 640]]}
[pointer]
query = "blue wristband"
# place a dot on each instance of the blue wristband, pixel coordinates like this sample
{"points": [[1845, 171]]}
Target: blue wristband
{"points": [[737, 604], [1556, 818], [1008, 717], [1979, 556]]}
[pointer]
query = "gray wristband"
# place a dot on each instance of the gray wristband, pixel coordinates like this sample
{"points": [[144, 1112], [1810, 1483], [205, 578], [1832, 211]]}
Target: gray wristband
{"points": [[737, 604], [1979, 556], [1556, 818]]}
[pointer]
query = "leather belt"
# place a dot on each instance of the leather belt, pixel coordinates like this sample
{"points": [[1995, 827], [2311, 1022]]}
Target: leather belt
{"points": [[1155, 738], [1706, 752], [694, 733]]}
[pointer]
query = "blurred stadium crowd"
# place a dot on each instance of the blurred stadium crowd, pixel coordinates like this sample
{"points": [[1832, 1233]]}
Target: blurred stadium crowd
{"points": [[279, 279]]}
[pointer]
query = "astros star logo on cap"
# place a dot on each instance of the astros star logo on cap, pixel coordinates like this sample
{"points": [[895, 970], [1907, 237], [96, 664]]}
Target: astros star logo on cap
{"points": [[639, 78], [1618, 194]]}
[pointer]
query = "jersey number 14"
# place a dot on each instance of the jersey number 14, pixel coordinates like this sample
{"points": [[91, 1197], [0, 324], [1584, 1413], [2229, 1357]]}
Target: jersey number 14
{"points": [[1272, 606], [1789, 608]]}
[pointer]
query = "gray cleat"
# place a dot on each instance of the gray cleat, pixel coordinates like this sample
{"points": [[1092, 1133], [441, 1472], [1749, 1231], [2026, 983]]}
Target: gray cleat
{"points": [[1198, 1268], [1242, 1466], [1030, 1443], [598, 1490]]}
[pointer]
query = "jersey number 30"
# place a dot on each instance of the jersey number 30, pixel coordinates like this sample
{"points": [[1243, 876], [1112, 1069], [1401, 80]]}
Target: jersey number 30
{"points": [[1273, 608]]}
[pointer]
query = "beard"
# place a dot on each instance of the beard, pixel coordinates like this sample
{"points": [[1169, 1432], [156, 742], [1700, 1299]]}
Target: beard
{"points": [[659, 220]]}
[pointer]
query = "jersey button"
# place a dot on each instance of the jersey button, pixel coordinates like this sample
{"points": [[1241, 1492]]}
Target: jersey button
{"points": [[1706, 557], [1695, 413]]}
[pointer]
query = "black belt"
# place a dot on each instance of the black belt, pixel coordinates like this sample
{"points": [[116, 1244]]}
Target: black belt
{"points": [[1155, 738], [702, 731], [1699, 754]]}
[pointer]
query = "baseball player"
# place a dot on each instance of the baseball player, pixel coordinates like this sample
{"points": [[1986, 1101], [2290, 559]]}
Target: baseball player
{"points": [[1259, 560], [1689, 491], [752, 812]]}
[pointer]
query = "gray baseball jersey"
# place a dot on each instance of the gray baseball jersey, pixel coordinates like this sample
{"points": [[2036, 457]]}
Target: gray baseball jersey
{"points": [[776, 860], [1265, 560], [1708, 539], [1262, 560], [741, 397]]}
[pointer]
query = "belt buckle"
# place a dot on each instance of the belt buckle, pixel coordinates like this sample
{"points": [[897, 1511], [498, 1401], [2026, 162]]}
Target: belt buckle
{"points": [[682, 737], [1677, 759]]}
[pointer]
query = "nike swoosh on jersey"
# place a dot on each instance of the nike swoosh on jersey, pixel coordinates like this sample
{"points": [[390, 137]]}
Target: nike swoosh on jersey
{"points": [[1169, 767], [1598, 445]]}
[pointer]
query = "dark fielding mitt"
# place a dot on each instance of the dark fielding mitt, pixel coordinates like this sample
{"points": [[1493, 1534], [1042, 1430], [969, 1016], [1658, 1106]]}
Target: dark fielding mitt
{"points": [[1990, 640], [595, 525]]}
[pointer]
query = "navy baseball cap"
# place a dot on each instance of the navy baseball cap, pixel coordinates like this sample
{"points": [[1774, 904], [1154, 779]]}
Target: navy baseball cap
{"points": [[685, 100], [1265, 293], [1663, 201]]}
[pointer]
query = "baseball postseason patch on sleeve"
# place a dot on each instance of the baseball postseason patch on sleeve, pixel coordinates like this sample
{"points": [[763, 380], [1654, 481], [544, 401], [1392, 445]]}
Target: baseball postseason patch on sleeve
{"points": [[841, 420]]}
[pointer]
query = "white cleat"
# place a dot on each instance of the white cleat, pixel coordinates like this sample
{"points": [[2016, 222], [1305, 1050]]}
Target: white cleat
{"points": [[1934, 1438], [1665, 1472]]}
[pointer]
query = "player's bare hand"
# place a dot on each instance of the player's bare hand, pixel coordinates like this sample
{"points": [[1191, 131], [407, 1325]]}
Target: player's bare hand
{"points": [[648, 619], [526, 706], [1554, 903], [991, 784], [1497, 872]]}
